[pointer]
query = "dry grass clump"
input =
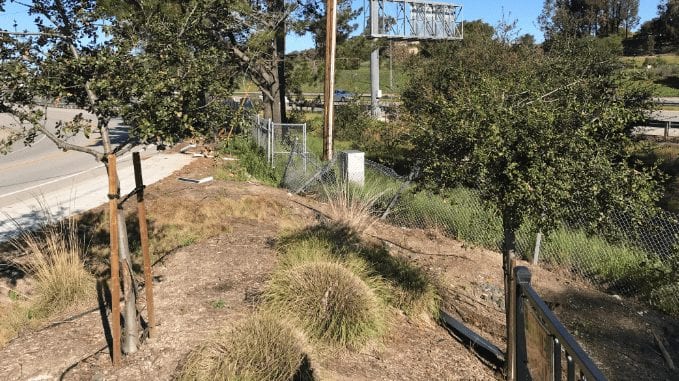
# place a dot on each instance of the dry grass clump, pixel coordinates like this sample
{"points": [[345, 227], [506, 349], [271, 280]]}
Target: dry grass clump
{"points": [[55, 260], [53, 257], [260, 349], [191, 221], [351, 205], [330, 302], [13, 319]]}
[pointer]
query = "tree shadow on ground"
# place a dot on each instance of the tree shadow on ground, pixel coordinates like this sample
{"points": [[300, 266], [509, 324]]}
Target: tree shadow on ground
{"points": [[305, 372], [670, 81], [95, 226]]}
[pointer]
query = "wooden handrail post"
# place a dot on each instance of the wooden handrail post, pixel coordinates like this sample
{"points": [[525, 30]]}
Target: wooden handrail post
{"points": [[115, 265], [510, 310], [144, 236]]}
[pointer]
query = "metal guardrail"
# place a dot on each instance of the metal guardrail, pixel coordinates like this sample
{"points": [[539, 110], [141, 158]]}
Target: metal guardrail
{"points": [[542, 343]]}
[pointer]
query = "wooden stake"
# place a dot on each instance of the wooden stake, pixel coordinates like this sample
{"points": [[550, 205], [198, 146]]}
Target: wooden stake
{"points": [[115, 265], [144, 236]]}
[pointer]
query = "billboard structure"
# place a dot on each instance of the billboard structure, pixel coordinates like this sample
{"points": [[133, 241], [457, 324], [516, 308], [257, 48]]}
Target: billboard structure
{"points": [[410, 20], [415, 20]]}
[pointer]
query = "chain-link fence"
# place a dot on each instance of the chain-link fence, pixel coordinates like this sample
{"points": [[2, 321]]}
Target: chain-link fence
{"points": [[636, 256], [278, 139]]}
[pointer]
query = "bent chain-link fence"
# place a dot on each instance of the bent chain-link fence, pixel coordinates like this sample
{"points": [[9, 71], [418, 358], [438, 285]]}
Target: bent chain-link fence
{"points": [[636, 256]]}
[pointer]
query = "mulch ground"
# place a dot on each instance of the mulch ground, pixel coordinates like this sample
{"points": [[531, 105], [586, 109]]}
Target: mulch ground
{"points": [[215, 283]]}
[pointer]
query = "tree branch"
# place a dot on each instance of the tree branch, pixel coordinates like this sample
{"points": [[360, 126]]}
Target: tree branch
{"points": [[66, 146]]}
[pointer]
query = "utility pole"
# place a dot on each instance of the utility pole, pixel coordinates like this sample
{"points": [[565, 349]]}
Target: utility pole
{"points": [[374, 62], [329, 101]]}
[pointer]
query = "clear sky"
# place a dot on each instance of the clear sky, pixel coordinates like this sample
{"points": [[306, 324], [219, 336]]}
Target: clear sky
{"points": [[525, 12]]}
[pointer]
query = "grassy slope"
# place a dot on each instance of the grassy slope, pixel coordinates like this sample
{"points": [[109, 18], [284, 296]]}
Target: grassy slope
{"points": [[356, 81], [663, 85]]}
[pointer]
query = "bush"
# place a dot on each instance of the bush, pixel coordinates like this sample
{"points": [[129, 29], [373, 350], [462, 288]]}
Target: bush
{"points": [[330, 302], [665, 298], [260, 349], [351, 120], [393, 279], [55, 260], [252, 159], [351, 204]]}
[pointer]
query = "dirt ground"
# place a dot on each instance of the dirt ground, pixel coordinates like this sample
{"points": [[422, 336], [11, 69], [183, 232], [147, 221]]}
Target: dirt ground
{"points": [[215, 282]]}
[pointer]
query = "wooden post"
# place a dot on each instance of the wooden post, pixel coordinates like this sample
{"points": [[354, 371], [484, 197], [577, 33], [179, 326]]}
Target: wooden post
{"points": [[330, 40], [144, 236], [510, 310], [115, 265]]}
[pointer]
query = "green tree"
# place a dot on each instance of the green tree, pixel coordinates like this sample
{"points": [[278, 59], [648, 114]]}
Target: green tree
{"points": [[540, 135], [588, 17], [166, 81]]}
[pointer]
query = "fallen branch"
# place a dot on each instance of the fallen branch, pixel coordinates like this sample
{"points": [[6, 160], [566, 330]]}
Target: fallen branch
{"points": [[664, 352]]}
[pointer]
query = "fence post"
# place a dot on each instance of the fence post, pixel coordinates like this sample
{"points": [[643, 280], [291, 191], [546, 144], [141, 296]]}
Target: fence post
{"points": [[272, 137], [510, 310], [304, 146], [536, 251], [667, 130], [521, 277]]}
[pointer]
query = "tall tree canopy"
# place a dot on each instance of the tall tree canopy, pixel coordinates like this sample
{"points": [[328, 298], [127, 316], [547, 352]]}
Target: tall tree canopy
{"points": [[589, 17], [537, 134]]}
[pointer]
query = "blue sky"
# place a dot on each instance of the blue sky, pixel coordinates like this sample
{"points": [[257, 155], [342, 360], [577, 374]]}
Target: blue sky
{"points": [[491, 11]]}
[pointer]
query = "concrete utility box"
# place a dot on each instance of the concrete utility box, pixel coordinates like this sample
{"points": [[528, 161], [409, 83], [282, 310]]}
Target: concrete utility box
{"points": [[352, 166]]}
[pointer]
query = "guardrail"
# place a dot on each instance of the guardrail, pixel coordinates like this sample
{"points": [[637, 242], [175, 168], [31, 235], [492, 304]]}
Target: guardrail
{"points": [[541, 343]]}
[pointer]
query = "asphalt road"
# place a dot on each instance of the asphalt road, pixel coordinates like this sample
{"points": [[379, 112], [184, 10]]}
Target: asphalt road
{"points": [[65, 182]]}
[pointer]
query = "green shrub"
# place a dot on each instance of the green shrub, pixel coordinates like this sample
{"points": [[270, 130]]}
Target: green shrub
{"points": [[591, 256], [665, 298], [394, 279], [55, 260], [330, 302], [253, 160]]}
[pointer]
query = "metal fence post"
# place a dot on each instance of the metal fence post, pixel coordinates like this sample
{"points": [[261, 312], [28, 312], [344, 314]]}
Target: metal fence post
{"points": [[536, 251], [272, 139], [304, 147], [667, 130], [521, 277], [511, 338]]}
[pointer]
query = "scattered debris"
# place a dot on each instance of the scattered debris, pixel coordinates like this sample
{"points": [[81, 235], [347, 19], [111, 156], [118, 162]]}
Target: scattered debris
{"points": [[183, 150], [196, 181], [230, 158]]}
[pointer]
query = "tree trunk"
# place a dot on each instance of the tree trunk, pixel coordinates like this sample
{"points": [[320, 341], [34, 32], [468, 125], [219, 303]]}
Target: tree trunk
{"points": [[131, 339], [267, 104]]}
